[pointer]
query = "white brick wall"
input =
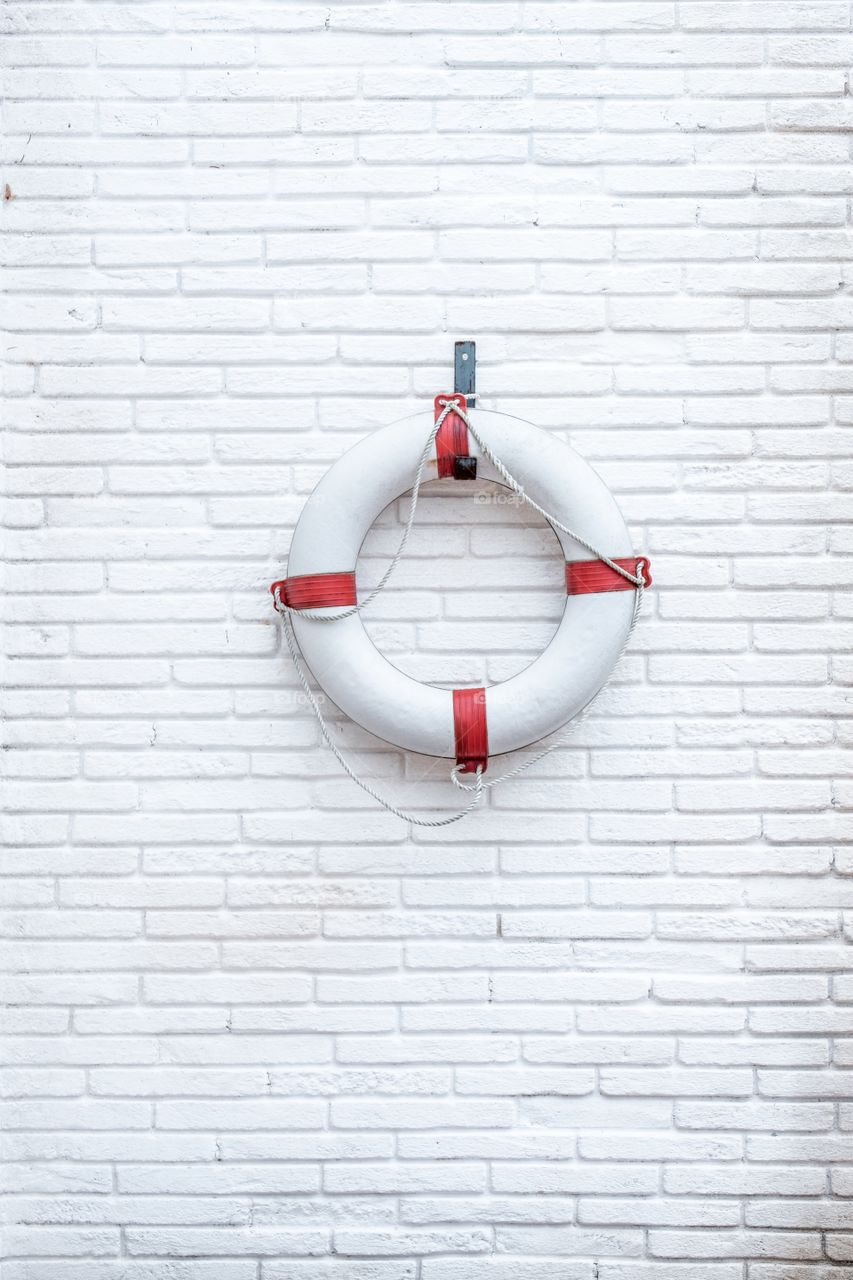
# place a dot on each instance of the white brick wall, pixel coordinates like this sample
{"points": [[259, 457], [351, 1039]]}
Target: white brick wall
{"points": [[257, 1030]]}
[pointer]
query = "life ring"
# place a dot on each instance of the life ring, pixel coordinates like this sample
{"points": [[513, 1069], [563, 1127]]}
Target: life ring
{"points": [[468, 724]]}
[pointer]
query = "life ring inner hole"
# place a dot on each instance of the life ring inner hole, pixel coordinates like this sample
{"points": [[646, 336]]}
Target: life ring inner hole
{"points": [[479, 591]]}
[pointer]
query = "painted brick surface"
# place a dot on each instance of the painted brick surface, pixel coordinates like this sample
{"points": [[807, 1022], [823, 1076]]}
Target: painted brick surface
{"points": [[256, 1028]]}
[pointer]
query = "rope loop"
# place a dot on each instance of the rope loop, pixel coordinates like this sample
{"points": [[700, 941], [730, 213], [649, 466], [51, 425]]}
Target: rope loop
{"points": [[478, 788]]}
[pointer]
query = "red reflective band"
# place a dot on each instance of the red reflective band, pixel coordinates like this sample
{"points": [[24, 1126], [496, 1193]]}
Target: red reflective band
{"points": [[452, 439], [585, 576], [469, 726], [316, 590]]}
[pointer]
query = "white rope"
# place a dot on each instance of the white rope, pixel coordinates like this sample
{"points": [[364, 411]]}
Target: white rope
{"points": [[478, 787]]}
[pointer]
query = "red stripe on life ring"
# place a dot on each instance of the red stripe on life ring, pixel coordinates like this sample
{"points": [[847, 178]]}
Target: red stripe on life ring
{"points": [[316, 590], [470, 729], [586, 576], [452, 439]]}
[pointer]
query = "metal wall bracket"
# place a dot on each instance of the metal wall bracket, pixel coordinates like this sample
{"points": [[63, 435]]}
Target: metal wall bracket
{"points": [[465, 370]]}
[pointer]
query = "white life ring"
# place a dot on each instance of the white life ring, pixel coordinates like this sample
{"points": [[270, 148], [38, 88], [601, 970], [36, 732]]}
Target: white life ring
{"points": [[419, 717]]}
